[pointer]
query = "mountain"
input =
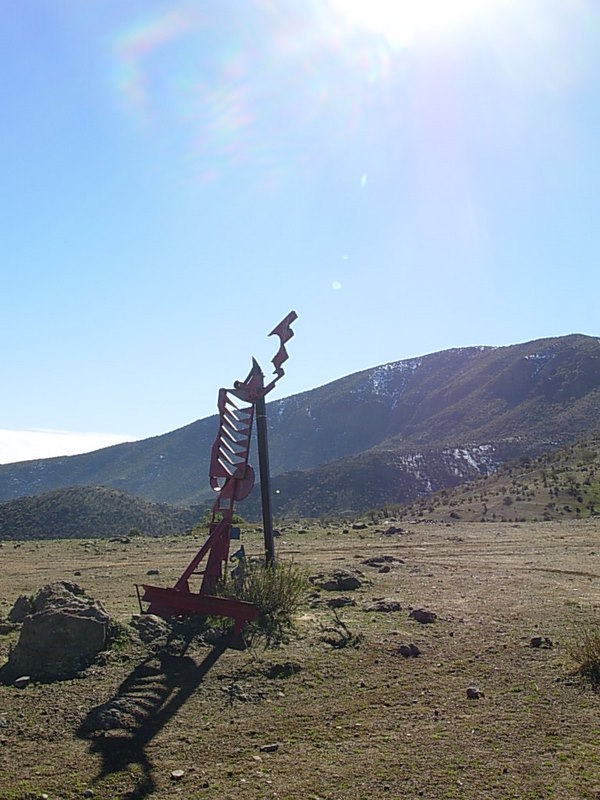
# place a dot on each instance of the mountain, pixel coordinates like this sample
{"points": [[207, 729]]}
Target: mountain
{"points": [[387, 434], [562, 484], [90, 511]]}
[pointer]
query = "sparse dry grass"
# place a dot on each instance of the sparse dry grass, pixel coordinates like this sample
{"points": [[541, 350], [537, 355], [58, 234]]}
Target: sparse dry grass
{"points": [[351, 722]]}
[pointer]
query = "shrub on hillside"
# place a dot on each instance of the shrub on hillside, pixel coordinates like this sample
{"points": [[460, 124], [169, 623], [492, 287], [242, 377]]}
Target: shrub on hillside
{"points": [[585, 652], [277, 592]]}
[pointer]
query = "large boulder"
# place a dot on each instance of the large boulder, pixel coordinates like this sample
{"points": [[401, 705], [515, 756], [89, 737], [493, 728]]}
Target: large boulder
{"points": [[62, 636]]}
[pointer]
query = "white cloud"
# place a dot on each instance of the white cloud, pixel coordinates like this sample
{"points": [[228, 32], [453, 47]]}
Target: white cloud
{"points": [[27, 445]]}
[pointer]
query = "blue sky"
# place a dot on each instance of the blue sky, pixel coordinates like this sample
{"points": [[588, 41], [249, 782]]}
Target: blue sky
{"points": [[177, 176]]}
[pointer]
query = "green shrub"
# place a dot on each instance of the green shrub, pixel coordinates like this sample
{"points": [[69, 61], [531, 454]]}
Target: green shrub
{"points": [[277, 593], [585, 652]]}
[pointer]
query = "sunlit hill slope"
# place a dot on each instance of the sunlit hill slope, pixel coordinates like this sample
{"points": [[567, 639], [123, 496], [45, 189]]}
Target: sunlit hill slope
{"points": [[384, 435]]}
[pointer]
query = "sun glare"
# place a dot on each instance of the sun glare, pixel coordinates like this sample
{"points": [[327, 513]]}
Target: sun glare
{"points": [[401, 22]]}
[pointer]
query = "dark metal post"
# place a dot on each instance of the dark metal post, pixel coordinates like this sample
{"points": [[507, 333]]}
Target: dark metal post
{"points": [[265, 479]]}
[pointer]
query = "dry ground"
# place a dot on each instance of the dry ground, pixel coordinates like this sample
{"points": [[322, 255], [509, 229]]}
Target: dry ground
{"points": [[349, 722]]}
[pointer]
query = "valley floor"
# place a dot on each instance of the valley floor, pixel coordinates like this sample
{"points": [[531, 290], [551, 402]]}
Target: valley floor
{"points": [[345, 722]]}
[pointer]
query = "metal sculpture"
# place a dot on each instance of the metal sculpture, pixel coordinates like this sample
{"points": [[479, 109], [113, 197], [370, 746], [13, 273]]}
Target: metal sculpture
{"points": [[233, 478]]}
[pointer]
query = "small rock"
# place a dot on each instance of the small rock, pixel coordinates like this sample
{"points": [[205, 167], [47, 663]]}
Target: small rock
{"points": [[153, 572], [386, 604], [473, 693], [541, 641], [340, 602], [385, 568], [177, 774], [392, 530], [88, 793], [77, 572], [409, 650], [149, 627], [359, 526], [22, 682], [269, 748], [423, 615], [377, 561]]}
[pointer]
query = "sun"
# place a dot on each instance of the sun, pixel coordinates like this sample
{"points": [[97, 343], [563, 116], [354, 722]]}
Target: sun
{"points": [[402, 22]]}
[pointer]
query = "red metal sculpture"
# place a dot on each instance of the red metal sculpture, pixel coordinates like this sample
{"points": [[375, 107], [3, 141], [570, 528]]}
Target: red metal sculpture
{"points": [[233, 478]]}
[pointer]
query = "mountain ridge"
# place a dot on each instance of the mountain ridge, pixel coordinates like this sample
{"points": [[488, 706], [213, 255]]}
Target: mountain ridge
{"points": [[393, 428]]}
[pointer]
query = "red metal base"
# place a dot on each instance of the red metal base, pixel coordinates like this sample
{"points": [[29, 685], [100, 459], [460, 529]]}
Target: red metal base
{"points": [[176, 603]]}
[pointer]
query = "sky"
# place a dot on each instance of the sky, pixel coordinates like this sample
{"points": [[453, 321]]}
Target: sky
{"points": [[178, 176]]}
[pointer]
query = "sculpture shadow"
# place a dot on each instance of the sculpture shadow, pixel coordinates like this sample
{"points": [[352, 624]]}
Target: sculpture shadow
{"points": [[121, 728]]}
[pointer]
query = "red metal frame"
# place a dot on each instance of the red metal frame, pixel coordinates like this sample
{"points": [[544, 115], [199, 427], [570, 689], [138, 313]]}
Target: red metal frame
{"points": [[233, 478]]}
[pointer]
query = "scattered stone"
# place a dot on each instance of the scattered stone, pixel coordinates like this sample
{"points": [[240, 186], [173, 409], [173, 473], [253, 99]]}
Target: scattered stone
{"points": [[393, 529], [120, 540], [269, 748], [88, 793], [177, 774], [340, 580], [77, 573], [423, 615], [340, 602], [153, 572], [385, 604], [541, 641], [473, 693], [285, 670], [359, 526], [377, 561], [62, 636], [149, 627], [385, 568], [22, 682], [409, 650], [21, 609]]}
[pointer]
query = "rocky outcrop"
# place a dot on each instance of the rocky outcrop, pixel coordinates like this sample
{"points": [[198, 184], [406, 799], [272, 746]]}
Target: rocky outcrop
{"points": [[62, 636]]}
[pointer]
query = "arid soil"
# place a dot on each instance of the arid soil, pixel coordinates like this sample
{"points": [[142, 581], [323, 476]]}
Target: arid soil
{"points": [[338, 711]]}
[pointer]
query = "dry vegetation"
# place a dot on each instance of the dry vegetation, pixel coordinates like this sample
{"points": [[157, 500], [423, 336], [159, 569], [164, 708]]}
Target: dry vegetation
{"points": [[349, 715]]}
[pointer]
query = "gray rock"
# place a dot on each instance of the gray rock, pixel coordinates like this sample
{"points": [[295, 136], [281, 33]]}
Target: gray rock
{"points": [[473, 693], [177, 774], [423, 615], [340, 602], [269, 748], [21, 609], [377, 561], [63, 635], [409, 650], [149, 627], [386, 604], [340, 580], [392, 530], [541, 641], [22, 682]]}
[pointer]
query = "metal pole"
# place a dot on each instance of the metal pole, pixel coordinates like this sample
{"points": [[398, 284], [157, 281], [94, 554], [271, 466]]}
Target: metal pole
{"points": [[265, 480]]}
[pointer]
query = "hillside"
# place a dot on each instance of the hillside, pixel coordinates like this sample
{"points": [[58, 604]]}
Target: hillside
{"points": [[561, 485], [387, 434], [90, 512]]}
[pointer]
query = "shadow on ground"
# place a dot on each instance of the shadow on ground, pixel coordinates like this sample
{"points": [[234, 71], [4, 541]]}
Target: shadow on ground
{"points": [[120, 729]]}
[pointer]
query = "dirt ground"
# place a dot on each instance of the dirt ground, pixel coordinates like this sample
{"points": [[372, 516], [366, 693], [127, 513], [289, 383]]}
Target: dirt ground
{"points": [[314, 720]]}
